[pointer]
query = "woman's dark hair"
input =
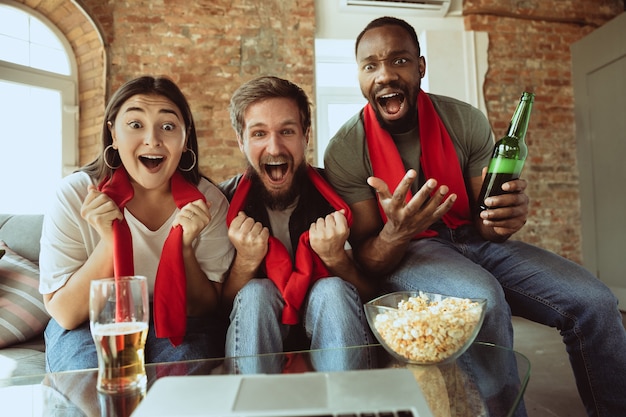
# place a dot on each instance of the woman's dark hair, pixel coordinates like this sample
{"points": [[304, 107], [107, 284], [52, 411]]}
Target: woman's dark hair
{"points": [[147, 85], [386, 21]]}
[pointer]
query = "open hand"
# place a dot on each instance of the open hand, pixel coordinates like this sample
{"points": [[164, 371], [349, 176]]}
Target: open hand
{"points": [[405, 220]]}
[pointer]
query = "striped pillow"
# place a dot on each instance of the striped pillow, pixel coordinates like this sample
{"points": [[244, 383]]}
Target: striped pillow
{"points": [[22, 313]]}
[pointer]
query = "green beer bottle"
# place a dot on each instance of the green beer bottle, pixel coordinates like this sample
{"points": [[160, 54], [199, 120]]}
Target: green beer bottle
{"points": [[509, 153]]}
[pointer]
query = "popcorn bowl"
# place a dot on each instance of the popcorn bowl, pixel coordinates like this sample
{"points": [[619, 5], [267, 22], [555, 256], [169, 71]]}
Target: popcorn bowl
{"points": [[425, 328]]}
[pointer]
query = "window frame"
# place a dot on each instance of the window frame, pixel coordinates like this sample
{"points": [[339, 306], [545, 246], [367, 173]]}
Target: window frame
{"points": [[67, 85]]}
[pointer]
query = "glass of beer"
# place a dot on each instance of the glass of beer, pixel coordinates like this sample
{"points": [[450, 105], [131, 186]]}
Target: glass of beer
{"points": [[119, 317]]}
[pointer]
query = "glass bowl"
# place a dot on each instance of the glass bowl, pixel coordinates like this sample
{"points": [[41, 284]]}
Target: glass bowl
{"points": [[424, 328]]}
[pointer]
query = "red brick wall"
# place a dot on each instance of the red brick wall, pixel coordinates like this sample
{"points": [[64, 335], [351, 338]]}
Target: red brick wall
{"points": [[529, 50]]}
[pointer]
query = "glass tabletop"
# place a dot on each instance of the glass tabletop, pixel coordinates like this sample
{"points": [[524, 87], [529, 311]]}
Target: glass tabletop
{"points": [[463, 388]]}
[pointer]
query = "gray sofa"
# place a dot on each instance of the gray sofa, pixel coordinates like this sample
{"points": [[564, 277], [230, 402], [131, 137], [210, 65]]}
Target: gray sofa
{"points": [[21, 234]]}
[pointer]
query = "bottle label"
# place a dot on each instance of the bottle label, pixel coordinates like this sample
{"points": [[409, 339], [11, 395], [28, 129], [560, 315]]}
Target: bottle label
{"points": [[506, 166]]}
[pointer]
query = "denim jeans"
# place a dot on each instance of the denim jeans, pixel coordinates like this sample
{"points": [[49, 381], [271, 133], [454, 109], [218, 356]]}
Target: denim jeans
{"points": [[74, 349], [523, 280], [332, 316]]}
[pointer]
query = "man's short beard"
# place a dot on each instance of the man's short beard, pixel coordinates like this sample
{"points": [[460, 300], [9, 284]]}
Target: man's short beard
{"points": [[398, 126], [282, 200]]}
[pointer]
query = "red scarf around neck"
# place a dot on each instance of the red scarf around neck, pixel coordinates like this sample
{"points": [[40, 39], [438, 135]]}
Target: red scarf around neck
{"points": [[438, 159], [293, 281], [170, 286]]}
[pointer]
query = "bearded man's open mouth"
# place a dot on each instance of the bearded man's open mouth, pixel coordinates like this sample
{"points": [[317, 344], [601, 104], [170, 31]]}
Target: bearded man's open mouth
{"points": [[276, 171]]}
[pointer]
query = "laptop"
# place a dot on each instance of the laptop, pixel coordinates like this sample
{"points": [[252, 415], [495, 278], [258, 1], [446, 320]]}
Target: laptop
{"points": [[389, 392]]}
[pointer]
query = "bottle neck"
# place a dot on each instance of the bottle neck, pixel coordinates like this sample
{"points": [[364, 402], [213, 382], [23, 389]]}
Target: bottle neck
{"points": [[521, 117]]}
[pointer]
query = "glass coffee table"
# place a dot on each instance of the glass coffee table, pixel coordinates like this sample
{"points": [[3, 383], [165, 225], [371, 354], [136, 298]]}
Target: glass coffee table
{"points": [[460, 389]]}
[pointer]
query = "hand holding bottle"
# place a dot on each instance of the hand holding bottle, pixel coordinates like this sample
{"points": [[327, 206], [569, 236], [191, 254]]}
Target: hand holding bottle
{"points": [[510, 210]]}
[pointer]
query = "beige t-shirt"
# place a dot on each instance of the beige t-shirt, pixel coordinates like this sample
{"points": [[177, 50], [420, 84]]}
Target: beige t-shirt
{"points": [[279, 221]]}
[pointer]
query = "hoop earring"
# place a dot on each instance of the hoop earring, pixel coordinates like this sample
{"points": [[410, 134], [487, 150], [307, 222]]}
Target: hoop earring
{"points": [[195, 159], [104, 156]]}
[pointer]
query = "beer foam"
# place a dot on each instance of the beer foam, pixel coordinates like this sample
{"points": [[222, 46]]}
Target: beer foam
{"points": [[112, 329]]}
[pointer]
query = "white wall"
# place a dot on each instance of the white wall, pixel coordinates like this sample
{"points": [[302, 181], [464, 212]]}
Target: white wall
{"points": [[337, 21]]}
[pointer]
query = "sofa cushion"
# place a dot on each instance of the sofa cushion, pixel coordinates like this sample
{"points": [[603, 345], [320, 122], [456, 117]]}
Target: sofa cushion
{"points": [[22, 312], [22, 233]]}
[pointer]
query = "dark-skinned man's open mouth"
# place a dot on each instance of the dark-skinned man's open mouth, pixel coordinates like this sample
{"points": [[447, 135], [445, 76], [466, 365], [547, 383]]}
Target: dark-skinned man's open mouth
{"points": [[391, 103]]}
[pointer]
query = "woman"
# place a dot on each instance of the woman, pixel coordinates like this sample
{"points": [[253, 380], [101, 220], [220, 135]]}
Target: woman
{"points": [[146, 181]]}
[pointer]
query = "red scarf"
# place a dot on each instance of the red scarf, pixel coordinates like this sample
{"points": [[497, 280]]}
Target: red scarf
{"points": [[293, 281], [438, 159], [170, 286]]}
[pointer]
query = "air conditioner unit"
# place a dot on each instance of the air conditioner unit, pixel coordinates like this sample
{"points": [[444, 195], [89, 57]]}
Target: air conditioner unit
{"points": [[427, 8]]}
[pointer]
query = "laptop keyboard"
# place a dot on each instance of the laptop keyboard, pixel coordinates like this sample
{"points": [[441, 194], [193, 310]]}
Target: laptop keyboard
{"points": [[399, 413]]}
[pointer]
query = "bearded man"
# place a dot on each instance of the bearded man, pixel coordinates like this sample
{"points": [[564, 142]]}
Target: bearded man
{"points": [[293, 271]]}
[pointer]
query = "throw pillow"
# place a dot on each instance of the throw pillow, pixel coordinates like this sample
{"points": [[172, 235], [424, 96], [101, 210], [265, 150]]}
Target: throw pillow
{"points": [[22, 313]]}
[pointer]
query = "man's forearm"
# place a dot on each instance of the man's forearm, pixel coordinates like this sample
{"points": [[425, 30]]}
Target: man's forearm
{"points": [[345, 268], [240, 273], [381, 254]]}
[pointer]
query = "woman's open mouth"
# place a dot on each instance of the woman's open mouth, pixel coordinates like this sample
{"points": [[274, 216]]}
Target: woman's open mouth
{"points": [[151, 161]]}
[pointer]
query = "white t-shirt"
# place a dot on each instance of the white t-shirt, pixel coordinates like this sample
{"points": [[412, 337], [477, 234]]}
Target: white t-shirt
{"points": [[68, 240]]}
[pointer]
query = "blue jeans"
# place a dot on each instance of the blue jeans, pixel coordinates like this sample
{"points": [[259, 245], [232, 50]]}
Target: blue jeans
{"points": [[523, 280], [332, 317], [74, 349]]}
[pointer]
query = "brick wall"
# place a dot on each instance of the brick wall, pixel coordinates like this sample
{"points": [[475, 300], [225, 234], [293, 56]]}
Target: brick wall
{"points": [[209, 47], [529, 44]]}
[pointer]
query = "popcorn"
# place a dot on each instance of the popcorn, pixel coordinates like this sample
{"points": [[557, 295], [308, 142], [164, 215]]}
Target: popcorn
{"points": [[429, 331]]}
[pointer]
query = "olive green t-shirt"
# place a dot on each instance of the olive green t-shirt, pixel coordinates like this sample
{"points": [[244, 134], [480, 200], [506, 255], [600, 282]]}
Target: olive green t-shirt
{"points": [[347, 164]]}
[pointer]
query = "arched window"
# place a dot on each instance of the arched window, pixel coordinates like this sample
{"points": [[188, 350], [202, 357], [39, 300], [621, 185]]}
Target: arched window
{"points": [[38, 110]]}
